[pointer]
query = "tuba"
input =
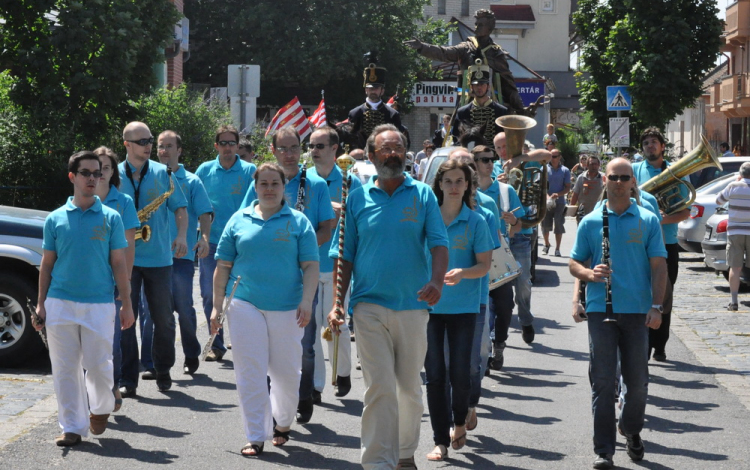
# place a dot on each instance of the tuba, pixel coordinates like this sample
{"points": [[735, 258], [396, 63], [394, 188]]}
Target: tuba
{"points": [[144, 233], [665, 187], [530, 183]]}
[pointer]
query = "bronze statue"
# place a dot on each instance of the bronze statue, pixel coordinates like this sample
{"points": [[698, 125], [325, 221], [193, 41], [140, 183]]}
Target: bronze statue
{"points": [[484, 48]]}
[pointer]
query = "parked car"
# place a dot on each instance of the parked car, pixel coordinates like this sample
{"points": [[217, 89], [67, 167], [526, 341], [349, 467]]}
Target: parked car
{"points": [[714, 244], [21, 233], [706, 175], [690, 232]]}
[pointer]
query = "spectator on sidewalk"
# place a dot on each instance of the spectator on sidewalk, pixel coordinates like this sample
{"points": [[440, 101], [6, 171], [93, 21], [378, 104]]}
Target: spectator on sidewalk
{"points": [[738, 229]]}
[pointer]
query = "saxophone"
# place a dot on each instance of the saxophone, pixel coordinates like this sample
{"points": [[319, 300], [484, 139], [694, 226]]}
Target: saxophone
{"points": [[144, 233]]}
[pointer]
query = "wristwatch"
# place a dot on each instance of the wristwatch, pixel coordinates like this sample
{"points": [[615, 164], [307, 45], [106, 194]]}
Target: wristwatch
{"points": [[658, 307]]}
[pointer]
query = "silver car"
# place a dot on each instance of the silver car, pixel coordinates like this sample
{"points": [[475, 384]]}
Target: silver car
{"points": [[690, 231], [715, 245]]}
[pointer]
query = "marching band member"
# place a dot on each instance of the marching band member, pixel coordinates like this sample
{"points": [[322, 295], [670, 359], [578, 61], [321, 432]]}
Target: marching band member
{"points": [[273, 248], [82, 236], [108, 191], [147, 181], [624, 292], [226, 180], [308, 194], [390, 221], [324, 143], [454, 315]]}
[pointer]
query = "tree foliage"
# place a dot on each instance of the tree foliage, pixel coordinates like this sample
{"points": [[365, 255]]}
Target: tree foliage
{"points": [[305, 46], [76, 63], [661, 50]]}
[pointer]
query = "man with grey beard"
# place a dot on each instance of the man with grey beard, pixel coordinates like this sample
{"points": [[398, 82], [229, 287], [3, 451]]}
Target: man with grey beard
{"points": [[389, 221]]}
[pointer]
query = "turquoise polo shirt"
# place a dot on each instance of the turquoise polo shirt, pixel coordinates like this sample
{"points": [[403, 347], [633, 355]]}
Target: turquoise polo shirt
{"points": [[385, 240], [124, 206], [83, 241], [318, 206], [643, 172], [649, 202], [334, 181], [634, 237], [226, 189], [157, 252], [493, 191], [468, 234], [267, 254], [497, 167], [198, 204]]}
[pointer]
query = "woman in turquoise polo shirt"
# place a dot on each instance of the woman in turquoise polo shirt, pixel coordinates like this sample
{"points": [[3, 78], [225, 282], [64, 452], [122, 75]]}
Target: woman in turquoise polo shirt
{"points": [[273, 248], [108, 191], [453, 317]]}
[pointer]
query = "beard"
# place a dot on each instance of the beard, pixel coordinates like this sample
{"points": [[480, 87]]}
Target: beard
{"points": [[392, 167], [652, 157]]}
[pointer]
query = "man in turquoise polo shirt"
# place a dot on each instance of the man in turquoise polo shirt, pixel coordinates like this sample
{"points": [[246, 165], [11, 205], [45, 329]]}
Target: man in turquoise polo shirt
{"points": [[324, 145], [389, 223], [146, 181], [312, 199], [199, 209], [83, 236], [226, 180], [637, 275], [654, 144]]}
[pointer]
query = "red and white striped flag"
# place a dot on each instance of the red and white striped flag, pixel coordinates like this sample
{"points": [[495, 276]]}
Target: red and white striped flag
{"points": [[293, 115], [318, 118], [392, 101]]}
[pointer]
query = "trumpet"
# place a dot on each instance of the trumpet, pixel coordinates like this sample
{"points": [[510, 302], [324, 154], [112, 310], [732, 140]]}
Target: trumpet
{"points": [[665, 187], [144, 232]]}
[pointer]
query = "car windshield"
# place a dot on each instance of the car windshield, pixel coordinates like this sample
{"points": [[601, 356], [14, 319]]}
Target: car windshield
{"points": [[717, 185], [432, 170]]}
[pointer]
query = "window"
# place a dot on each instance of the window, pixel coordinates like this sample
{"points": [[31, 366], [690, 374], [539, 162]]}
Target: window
{"points": [[441, 7], [464, 7]]}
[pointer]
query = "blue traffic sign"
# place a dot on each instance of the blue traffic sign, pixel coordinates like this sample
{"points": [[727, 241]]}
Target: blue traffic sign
{"points": [[618, 98]]}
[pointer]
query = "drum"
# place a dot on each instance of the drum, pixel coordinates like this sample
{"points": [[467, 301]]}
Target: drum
{"points": [[504, 266]]}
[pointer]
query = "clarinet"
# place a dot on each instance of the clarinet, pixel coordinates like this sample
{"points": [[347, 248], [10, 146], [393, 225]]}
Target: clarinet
{"points": [[220, 319], [607, 261], [300, 205]]}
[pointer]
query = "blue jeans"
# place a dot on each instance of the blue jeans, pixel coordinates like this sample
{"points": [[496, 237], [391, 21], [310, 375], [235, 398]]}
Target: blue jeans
{"points": [[157, 285], [520, 247], [478, 356], [147, 332], [207, 267], [501, 304], [307, 381], [444, 408], [629, 336]]}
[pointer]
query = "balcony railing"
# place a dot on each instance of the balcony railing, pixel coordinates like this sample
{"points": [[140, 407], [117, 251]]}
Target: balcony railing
{"points": [[738, 20]]}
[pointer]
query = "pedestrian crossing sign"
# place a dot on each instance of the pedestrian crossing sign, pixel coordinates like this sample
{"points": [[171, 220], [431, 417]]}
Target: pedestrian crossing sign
{"points": [[618, 98]]}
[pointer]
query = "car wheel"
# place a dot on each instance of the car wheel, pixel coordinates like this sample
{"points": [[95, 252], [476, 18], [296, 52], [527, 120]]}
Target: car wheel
{"points": [[18, 339]]}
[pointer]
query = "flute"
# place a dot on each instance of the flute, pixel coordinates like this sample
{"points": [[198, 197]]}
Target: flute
{"points": [[220, 319]]}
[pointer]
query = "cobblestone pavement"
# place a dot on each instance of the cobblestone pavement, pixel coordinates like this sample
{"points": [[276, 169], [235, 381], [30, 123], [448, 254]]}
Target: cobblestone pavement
{"points": [[720, 339]]}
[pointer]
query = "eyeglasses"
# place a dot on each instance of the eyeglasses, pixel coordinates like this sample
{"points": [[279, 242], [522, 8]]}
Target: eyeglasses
{"points": [[485, 159], [555, 156], [318, 146], [142, 142], [292, 149], [88, 174], [390, 150], [616, 178], [224, 143]]}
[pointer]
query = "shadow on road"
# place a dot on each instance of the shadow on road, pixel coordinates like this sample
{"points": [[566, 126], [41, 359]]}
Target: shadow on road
{"points": [[119, 448]]}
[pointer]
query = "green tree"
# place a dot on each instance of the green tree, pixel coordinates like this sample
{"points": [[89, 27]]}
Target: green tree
{"points": [[661, 50], [76, 63], [304, 46]]}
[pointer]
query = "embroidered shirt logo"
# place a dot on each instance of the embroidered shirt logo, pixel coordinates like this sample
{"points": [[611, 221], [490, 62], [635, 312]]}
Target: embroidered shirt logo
{"points": [[283, 234], [237, 187], [100, 231], [460, 242], [411, 213], [635, 235]]}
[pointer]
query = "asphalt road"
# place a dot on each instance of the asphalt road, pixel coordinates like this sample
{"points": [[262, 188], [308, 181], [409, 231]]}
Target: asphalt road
{"points": [[535, 414]]}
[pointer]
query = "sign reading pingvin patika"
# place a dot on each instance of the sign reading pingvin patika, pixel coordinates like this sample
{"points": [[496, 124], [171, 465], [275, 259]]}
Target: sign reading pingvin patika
{"points": [[434, 94]]}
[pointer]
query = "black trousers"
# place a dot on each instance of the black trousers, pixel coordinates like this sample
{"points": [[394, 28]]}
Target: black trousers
{"points": [[657, 339]]}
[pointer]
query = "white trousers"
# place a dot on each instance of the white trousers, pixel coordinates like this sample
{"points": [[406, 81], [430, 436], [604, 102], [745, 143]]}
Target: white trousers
{"points": [[80, 336], [326, 295], [265, 343], [392, 346]]}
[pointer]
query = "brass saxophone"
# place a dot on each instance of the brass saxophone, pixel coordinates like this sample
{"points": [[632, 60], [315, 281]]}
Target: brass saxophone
{"points": [[144, 233]]}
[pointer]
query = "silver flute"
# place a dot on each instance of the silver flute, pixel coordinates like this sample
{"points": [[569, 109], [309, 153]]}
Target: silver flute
{"points": [[220, 319]]}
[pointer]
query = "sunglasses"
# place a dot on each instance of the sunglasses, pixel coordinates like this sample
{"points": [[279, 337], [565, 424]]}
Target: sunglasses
{"points": [[88, 174], [224, 143], [142, 142], [318, 146], [616, 178], [485, 159]]}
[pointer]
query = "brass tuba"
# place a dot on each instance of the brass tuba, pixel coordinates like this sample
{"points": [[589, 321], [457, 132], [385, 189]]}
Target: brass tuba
{"points": [[531, 182], [144, 233], [665, 187]]}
